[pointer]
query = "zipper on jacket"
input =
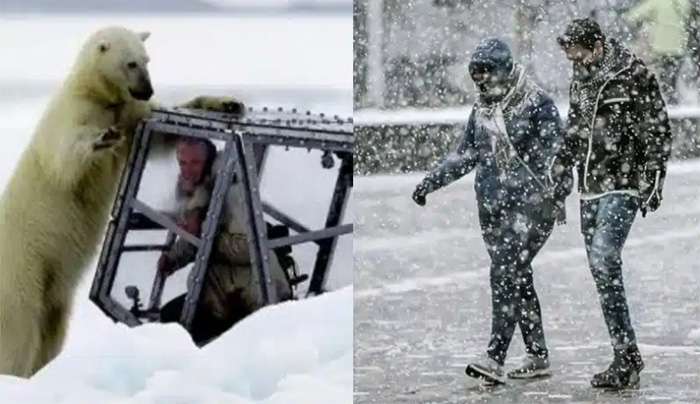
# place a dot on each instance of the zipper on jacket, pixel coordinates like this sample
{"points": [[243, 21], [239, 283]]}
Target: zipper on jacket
{"points": [[590, 135]]}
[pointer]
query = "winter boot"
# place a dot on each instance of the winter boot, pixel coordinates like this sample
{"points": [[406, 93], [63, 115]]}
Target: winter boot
{"points": [[623, 372], [532, 366], [486, 369]]}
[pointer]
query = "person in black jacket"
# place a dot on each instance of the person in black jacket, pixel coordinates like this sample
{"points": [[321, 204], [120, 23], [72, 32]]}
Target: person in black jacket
{"points": [[512, 138], [619, 139]]}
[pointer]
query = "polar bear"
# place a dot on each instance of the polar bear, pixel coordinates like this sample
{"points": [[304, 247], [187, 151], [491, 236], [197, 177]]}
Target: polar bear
{"points": [[55, 207]]}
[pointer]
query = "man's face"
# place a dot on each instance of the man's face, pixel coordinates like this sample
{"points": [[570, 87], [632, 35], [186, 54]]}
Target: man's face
{"points": [[192, 159], [481, 73], [580, 54], [488, 81], [481, 77]]}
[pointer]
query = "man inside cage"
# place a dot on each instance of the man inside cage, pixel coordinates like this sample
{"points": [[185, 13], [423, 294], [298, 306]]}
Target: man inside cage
{"points": [[619, 140], [231, 290]]}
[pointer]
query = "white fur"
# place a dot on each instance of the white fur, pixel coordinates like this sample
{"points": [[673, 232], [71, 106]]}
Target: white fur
{"points": [[54, 209]]}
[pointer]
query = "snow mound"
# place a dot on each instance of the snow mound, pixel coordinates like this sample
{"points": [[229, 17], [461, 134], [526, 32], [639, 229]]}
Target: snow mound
{"points": [[295, 352]]}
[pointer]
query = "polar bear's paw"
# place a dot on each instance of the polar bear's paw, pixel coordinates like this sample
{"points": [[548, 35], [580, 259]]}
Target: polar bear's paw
{"points": [[109, 138], [229, 105]]}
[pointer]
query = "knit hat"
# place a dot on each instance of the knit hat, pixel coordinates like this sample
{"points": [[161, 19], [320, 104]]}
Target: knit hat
{"points": [[582, 31], [493, 55]]}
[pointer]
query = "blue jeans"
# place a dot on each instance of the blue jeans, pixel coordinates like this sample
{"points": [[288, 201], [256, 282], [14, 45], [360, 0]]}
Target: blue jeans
{"points": [[513, 240], [605, 224]]}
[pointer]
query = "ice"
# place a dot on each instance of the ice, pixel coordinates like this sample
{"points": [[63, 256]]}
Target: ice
{"points": [[298, 352]]}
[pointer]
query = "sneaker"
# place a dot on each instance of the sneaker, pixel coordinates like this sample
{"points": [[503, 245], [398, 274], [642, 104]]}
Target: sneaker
{"points": [[532, 366], [623, 372], [486, 369]]}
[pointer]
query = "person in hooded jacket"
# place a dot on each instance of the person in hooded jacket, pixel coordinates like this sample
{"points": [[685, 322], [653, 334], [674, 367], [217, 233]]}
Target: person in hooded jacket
{"points": [[619, 140], [512, 138]]}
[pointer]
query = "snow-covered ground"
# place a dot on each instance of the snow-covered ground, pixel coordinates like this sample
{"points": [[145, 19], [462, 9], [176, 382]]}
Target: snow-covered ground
{"points": [[422, 300], [298, 352], [292, 353]]}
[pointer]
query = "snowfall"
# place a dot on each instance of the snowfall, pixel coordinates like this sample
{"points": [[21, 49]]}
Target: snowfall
{"points": [[422, 293], [298, 352]]}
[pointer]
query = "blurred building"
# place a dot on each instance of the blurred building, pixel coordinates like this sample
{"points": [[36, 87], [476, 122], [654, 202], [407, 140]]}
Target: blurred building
{"points": [[415, 53]]}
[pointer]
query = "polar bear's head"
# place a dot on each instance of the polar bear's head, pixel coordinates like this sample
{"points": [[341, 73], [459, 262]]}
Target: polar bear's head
{"points": [[113, 64]]}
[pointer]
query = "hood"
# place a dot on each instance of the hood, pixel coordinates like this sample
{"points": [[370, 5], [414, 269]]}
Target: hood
{"points": [[492, 56], [494, 53]]}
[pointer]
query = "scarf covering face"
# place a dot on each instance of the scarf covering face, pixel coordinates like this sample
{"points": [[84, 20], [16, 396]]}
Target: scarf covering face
{"points": [[588, 80], [493, 117], [496, 90], [492, 55]]}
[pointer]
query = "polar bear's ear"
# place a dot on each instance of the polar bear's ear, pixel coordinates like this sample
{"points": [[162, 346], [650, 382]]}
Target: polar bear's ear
{"points": [[103, 46], [144, 35]]}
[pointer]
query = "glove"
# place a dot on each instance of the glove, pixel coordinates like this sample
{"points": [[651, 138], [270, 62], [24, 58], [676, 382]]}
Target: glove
{"points": [[651, 192], [419, 194]]}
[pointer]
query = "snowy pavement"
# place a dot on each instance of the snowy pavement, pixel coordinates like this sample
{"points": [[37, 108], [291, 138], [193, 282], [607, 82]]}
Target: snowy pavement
{"points": [[422, 300]]}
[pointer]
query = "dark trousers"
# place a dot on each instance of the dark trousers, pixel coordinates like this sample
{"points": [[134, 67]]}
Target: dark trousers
{"points": [[605, 223], [513, 240]]}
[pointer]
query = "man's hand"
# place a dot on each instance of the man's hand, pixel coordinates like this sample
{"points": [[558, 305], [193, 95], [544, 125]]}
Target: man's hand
{"points": [[651, 204], [166, 266], [651, 192], [419, 194], [192, 222]]}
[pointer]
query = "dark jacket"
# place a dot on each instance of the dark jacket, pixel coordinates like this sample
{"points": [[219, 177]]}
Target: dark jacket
{"points": [[620, 140], [525, 178]]}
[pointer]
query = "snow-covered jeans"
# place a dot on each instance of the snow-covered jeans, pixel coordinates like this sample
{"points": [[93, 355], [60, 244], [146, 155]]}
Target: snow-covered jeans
{"points": [[605, 224], [513, 239]]}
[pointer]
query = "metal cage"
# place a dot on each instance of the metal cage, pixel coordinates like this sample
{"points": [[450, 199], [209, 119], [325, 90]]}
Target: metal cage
{"points": [[246, 139]]}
